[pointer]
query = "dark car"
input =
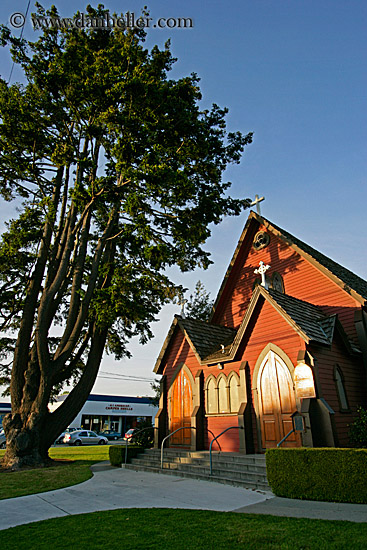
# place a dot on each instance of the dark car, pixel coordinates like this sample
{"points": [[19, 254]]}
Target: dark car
{"points": [[2, 440], [111, 435]]}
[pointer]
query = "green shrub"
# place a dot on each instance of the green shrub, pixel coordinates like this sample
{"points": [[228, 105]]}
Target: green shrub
{"points": [[334, 475], [117, 454], [145, 438], [358, 429]]}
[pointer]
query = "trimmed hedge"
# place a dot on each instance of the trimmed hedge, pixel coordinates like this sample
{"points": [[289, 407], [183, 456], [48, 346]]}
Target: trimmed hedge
{"points": [[117, 454], [333, 475]]}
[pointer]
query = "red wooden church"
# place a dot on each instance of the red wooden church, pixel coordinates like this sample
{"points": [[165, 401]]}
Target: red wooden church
{"points": [[288, 333]]}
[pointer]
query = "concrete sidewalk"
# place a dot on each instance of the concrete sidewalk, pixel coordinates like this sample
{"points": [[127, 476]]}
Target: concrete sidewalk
{"points": [[114, 488]]}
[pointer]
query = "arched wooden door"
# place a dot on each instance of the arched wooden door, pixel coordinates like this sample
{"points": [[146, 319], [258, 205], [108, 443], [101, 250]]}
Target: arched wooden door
{"points": [[276, 402], [181, 409]]}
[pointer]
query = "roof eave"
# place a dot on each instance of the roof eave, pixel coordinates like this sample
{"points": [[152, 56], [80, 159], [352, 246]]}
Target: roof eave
{"points": [[165, 346]]}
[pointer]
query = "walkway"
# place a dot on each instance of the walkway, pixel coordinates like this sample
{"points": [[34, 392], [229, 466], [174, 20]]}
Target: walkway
{"points": [[114, 488]]}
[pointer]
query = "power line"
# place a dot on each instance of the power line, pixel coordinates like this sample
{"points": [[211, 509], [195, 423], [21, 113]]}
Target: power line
{"points": [[127, 377], [21, 36], [124, 380]]}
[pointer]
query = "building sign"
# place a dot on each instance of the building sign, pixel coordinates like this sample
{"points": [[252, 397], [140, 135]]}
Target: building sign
{"points": [[120, 407]]}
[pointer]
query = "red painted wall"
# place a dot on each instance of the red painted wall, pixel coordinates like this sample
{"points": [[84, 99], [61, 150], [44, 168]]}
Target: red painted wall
{"points": [[353, 371], [301, 280]]}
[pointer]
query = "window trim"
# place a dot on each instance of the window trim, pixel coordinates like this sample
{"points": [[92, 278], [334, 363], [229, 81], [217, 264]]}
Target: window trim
{"points": [[341, 380], [227, 379]]}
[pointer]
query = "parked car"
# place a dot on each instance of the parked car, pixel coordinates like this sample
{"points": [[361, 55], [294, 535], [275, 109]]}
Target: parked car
{"points": [[2, 440], [84, 437], [111, 435], [129, 434], [60, 439]]}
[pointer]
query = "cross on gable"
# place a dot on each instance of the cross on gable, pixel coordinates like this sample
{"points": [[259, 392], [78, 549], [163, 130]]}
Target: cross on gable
{"points": [[181, 302], [261, 271], [256, 203]]}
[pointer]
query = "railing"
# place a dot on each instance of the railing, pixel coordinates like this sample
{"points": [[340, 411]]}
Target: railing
{"points": [[285, 437], [134, 434], [169, 435], [217, 437]]}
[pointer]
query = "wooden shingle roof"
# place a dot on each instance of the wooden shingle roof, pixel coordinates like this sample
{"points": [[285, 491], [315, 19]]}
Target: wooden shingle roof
{"points": [[214, 343]]}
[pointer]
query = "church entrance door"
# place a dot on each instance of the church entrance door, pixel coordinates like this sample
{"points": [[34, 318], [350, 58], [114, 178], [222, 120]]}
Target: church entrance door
{"points": [[276, 402], [181, 410]]}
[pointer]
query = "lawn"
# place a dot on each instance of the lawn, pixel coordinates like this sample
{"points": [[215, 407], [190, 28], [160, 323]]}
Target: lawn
{"points": [[62, 474], [135, 529]]}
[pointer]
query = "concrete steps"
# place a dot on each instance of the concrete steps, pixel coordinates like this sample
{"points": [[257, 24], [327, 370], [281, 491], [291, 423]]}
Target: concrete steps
{"points": [[247, 471]]}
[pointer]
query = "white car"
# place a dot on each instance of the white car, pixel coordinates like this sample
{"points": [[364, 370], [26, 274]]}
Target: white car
{"points": [[84, 437], [2, 440]]}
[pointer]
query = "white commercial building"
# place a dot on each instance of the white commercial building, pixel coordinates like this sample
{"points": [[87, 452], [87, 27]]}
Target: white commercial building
{"points": [[113, 412]]}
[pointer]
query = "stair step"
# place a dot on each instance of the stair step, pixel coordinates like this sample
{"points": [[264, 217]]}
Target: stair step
{"points": [[248, 471], [220, 462], [246, 484], [228, 470], [245, 460]]}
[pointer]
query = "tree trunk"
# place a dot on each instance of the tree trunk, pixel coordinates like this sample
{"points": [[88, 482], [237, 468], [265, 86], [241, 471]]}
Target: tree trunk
{"points": [[25, 439], [30, 428]]}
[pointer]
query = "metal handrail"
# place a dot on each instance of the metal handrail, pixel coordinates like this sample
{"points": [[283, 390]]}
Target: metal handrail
{"points": [[285, 437], [217, 437], [138, 431], [169, 435]]}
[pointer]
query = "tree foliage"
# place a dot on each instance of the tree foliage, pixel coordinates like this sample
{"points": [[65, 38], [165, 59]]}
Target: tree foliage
{"points": [[199, 305], [358, 429], [117, 174]]}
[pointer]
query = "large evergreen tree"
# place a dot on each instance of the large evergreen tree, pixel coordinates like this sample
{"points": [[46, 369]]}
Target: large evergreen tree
{"points": [[117, 175]]}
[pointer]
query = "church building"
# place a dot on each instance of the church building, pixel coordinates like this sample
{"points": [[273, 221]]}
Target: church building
{"points": [[287, 338]]}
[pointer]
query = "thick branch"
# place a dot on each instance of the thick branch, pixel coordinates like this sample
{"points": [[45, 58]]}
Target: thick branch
{"points": [[63, 354], [26, 327]]}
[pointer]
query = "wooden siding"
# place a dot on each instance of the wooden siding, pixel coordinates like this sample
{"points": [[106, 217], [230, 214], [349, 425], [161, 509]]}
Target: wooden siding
{"points": [[301, 280], [354, 377], [228, 442], [179, 352]]}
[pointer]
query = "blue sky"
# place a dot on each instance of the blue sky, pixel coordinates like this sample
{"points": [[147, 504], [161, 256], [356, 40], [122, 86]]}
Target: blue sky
{"points": [[295, 73]]}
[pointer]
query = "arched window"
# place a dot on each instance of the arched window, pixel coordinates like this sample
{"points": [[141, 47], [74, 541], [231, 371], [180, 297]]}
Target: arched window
{"points": [[340, 388], [211, 396], [277, 282], [234, 400], [223, 395]]}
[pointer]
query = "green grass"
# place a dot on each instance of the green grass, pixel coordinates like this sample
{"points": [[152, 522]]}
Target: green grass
{"points": [[39, 480], [184, 530]]}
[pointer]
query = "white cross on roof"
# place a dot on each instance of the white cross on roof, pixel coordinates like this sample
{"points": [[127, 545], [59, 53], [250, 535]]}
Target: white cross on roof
{"points": [[256, 203]]}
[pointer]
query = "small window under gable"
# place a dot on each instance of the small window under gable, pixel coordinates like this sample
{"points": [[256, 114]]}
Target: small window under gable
{"points": [[277, 282], [340, 387], [261, 240]]}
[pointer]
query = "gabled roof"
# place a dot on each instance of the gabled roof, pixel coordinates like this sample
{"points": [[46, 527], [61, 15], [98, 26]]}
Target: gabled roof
{"points": [[213, 343], [343, 277], [308, 320], [204, 338]]}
